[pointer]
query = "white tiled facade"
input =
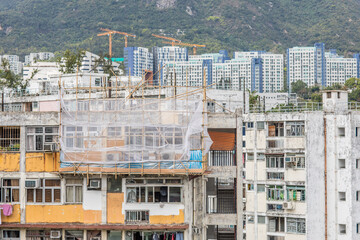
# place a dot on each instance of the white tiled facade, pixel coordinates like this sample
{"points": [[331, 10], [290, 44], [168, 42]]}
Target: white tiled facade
{"points": [[339, 69]]}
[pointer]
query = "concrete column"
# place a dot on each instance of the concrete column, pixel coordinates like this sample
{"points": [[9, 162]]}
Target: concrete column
{"points": [[22, 234], [22, 173], [103, 200], [239, 175], [103, 234]]}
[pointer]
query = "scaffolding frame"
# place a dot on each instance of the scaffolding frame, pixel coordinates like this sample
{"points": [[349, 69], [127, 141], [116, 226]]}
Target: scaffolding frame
{"points": [[111, 92]]}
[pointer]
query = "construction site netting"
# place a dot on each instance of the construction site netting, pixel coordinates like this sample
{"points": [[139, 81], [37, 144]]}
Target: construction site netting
{"points": [[148, 133]]}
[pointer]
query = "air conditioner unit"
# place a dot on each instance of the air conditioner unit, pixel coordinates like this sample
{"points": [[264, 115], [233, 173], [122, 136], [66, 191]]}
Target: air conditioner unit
{"points": [[32, 183], [167, 156], [94, 184], [288, 205], [52, 147], [55, 234], [95, 238]]}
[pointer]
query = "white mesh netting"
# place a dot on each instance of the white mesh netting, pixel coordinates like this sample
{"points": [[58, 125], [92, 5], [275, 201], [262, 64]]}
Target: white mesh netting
{"points": [[112, 132]]}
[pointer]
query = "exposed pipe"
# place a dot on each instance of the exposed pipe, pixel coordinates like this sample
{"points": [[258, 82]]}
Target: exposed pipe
{"points": [[325, 177]]}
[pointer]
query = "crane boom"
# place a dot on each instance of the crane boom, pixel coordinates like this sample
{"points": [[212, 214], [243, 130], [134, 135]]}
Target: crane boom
{"points": [[108, 32], [174, 40]]}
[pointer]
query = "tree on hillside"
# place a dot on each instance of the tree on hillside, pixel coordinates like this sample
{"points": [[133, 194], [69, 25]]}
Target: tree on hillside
{"points": [[69, 61]]}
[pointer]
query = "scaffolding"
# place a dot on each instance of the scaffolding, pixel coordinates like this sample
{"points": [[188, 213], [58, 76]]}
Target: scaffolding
{"points": [[135, 134]]}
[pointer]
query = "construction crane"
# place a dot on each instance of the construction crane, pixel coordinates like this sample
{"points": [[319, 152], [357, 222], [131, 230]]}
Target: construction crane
{"points": [[173, 40], [194, 46], [109, 33]]}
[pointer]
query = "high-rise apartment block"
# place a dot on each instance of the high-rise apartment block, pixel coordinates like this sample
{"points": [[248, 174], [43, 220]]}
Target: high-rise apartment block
{"points": [[137, 61], [314, 66], [164, 55], [42, 56], [14, 63]]}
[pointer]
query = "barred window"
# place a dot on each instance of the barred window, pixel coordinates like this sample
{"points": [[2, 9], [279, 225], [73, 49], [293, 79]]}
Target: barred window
{"points": [[295, 129], [296, 225], [9, 139]]}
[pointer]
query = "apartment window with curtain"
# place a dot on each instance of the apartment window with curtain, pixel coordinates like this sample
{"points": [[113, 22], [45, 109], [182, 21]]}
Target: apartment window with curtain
{"points": [[49, 191], [9, 191], [74, 191]]}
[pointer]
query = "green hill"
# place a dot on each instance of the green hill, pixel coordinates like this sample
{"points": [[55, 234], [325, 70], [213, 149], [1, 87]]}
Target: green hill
{"points": [[43, 25]]}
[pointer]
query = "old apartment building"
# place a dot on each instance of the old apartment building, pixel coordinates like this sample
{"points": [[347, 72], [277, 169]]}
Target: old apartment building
{"points": [[141, 164]]}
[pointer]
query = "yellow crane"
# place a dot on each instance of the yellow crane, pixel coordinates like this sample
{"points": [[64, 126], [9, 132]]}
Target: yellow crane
{"points": [[109, 33], [173, 40], [194, 46]]}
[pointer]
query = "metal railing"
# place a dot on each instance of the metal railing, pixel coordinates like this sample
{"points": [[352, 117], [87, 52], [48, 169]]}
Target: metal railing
{"points": [[282, 108], [221, 158]]}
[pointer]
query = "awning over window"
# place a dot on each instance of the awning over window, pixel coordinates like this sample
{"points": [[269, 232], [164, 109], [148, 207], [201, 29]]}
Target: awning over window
{"points": [[222, 141]]}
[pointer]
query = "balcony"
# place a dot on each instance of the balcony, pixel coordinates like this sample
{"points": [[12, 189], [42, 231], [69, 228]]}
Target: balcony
{"points": [[222, 158]]}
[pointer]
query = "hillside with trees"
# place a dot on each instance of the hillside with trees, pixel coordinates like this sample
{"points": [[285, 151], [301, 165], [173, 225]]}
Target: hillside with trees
{"points": [[43, 25]]}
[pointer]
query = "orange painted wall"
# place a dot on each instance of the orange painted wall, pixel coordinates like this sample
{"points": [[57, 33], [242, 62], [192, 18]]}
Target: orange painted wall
{"points": [[61, 214], [171, 219], [114, 208], [14, 217], [40, 162], [10, 162]]}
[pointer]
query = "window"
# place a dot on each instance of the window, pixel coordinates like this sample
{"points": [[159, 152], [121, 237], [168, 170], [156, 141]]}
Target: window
{"points": [[73, 137], [250, 125], [10, 190], [275, 162], [357, 163], [342, 228], [275, 176], [260, 188], [38, 235], [357, 195], [260, 125], [10, 234], [341, 132], [74, 235], [295, 225], [97, 82], [114, 185], [250, 187], [275, 193], [295, 193], [38, 137], [48, 192], [295, 161], [342, 196], [153, 190], [250, 218], [358, 228], [261, 219], [276, 129], [9, 139], [260, 156], [136, 216], [250, 156], [295, 129], [357, 131], [341, 163], [74, 190]]}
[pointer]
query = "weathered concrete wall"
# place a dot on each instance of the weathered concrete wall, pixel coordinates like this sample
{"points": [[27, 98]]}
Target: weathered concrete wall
{"points": [[314, 155]]}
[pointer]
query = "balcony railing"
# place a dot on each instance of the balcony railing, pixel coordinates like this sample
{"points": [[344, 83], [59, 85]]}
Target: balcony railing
{"points": [[222, 158]]}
